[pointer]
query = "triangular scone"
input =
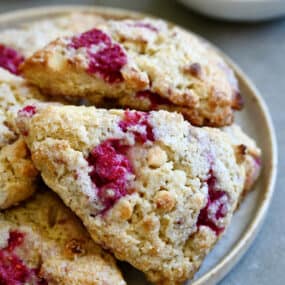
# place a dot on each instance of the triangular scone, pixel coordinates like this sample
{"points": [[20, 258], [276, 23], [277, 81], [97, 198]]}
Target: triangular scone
{"points": [[144, 64], [18, 175], [151, 188], [42, 242]]}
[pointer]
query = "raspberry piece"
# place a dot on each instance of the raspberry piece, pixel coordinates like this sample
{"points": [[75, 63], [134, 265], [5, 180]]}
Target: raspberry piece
{"points": [[108, 63], [107, 60], [10, 59], [111, 171], [28, 111], [15, 240], [138, 124], [216, 207], [89, 38], [13, 271]]}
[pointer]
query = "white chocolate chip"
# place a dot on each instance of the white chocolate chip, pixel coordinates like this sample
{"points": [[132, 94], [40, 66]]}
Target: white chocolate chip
{"points": [[156, 157]]}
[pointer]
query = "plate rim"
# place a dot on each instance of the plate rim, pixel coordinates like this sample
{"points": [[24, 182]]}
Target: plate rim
{"points": [[218, 272]]}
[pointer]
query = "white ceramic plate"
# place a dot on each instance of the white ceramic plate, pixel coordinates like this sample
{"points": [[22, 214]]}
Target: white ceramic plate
{"points": [[255, 120]]}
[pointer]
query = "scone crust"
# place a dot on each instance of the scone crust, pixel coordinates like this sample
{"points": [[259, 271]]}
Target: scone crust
{"points": [[29, 37], [18, 174], [161, 60], [55, 244], [248, 153], [156, 226]]}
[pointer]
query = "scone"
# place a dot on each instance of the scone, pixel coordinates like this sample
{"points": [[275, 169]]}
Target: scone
{"points": [[149, 187], [42, 242], [29, 37], [18, 174], [144, 64]]}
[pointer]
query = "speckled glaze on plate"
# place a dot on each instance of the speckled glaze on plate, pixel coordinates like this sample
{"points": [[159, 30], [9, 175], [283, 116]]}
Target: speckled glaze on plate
{"points": [[255, 120]]}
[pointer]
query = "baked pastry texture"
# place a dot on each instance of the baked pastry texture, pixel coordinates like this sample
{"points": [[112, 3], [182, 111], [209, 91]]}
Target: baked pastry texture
{"points": [[15, 92], [43, 242], [22, 41], [18, 174], [143, 64], [30, 37], [149, 187], [247, 150]]}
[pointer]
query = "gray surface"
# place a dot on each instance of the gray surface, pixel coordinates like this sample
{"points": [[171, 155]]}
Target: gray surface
{"points": [[259, 49]]}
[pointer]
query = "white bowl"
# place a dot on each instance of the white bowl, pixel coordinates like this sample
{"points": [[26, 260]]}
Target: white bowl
{"points": [[238, 10]]}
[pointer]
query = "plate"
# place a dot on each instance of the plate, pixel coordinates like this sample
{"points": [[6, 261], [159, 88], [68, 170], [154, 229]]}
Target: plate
{"points": [[255, 120]]}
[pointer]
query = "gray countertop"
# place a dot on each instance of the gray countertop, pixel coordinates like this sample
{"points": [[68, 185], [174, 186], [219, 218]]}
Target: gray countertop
{"points": [[259, 49]]}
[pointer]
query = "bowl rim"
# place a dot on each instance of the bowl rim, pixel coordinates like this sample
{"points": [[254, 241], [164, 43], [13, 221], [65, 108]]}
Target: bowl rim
{"points": [[216, 273], [236, 11]]}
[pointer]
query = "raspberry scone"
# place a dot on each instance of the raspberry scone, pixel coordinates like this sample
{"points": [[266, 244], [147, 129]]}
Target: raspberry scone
{"points": [[151, 188], [144, 64], [42, 242], [18, 174]]}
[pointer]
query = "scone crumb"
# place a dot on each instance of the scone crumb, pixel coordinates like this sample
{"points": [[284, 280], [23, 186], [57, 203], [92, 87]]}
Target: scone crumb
{"points": [[194, 69], [156, 157], [148, 224], [164, 201], [123, 210], [74, 247]]}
